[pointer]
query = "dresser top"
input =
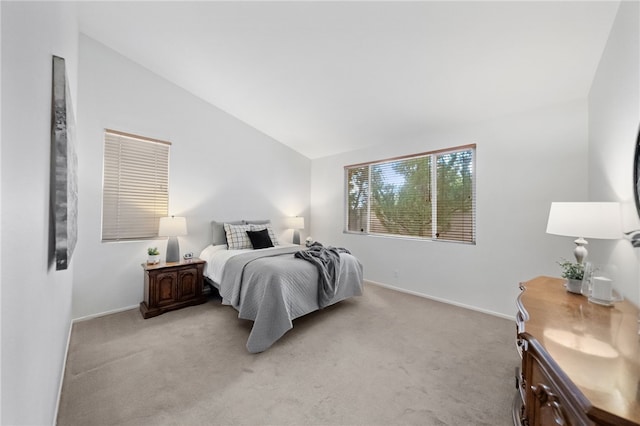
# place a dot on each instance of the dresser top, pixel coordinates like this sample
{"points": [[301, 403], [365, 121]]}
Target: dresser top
{"points": [[597, 347]]}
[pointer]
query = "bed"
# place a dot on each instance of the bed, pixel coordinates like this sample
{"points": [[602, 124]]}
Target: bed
{"points": [[271, 285]]}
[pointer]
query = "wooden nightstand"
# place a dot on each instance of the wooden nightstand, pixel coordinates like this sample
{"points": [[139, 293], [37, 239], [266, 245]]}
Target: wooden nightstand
{"points": [[169, 286]]}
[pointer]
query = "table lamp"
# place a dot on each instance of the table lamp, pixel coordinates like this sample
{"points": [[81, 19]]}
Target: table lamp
{"points": [[295, 223], [172, 227], [600, 220]]}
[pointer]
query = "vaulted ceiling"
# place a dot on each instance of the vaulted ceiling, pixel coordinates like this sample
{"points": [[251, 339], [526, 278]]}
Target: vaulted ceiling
{"points": [[327, 77]]}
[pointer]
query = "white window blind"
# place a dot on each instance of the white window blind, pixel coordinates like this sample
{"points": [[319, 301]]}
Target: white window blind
{"points": [[427, 195], [135, 186]]}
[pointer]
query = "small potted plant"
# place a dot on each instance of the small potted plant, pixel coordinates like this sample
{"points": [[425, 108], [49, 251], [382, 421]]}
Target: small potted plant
{"points": [[573, 273], [154, 255]]}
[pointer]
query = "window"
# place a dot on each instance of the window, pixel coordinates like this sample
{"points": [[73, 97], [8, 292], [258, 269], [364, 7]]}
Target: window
{"points": [[135, 186], [429, 195]]}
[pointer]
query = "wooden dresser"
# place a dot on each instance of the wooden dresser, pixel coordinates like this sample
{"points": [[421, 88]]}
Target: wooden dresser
{"points": [[580, 361]]}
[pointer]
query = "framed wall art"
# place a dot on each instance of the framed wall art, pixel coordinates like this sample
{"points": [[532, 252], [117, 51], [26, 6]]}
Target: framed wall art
{"points": [[64, 167]]}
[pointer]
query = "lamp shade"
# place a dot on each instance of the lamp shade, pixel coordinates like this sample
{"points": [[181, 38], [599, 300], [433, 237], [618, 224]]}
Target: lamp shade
{"points": [[587, 220], [294, 222], [172, 226]]}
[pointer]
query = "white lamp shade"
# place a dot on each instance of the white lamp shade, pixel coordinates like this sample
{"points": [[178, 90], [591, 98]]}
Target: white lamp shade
{"points": [[172, 226], [294, 222], [588, 220]]}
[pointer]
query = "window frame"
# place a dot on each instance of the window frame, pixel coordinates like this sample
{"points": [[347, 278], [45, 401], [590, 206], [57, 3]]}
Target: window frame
{"points": [[434, 189], [159, 173]]}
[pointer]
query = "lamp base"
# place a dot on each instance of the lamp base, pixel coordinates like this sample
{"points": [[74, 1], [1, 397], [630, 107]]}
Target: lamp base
{"points": [[296, 237], [580, 252], [173, 250]]}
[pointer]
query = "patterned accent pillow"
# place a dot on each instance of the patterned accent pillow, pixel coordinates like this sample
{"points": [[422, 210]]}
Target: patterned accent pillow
{"points": [[237, 237], [267, 226]]}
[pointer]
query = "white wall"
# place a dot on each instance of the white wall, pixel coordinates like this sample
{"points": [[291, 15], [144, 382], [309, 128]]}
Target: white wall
{"points": [[36, 300], [614, 117], [220, 168], [523, 163], [0, 220]]}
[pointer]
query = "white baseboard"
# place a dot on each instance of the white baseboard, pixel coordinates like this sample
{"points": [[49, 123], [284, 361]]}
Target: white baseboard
{"points": [[101, 314], [438, 299], [64, 368]]}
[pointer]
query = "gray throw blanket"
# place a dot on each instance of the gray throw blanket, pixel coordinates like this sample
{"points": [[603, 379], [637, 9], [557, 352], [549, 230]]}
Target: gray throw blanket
{"points": [[327, 261]]}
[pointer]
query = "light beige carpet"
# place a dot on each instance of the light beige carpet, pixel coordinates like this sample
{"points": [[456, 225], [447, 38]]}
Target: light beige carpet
{"points": [[385, 358]]}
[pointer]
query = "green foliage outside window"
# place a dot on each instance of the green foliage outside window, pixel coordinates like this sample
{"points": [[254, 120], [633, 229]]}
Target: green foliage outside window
{"points": [[403, 209], [396, 197]]}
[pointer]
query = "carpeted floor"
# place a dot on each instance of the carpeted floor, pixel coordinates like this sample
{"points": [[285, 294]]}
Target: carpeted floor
{"points": [[385, 358]]}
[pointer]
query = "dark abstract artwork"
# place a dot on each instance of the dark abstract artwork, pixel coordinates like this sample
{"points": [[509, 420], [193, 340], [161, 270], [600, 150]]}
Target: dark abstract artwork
{"points": [[634, 236], [64, 167]]}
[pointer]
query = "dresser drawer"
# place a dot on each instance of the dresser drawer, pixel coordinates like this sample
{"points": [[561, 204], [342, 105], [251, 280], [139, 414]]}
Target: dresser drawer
{"points": [[549, 398]]}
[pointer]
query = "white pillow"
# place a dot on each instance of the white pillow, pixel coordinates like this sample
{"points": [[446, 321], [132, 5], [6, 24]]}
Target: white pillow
{"points": [[267, 226], [237, 237]]}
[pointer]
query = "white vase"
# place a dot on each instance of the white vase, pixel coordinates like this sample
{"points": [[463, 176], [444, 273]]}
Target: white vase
{"points": [[153, 259], [574, 286]]}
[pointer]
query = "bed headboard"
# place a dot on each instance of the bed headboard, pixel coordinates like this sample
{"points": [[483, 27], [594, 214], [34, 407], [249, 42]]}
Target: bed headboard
{"points": [[218, 235]]}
